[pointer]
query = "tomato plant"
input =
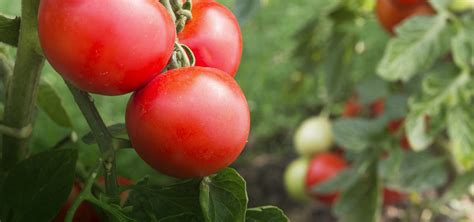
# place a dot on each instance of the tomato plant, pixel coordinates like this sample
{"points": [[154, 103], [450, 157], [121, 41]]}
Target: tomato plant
{"points": [[211, 136], [390, 14], [213, 34], [106, 47]]}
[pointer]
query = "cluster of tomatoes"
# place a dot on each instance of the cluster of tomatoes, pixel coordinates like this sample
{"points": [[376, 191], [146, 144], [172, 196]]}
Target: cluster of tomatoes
{"points": [[317, 164], [183, 121]]}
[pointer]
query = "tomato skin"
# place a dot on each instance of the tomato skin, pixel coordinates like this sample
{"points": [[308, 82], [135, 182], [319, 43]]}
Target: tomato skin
{"points": [[189, 122], [214, 36], [106, 47], [377, 107], [391, 197], [390, 14], [84, 213], [323, 167], [352, 107], [408, 2], [295, 177], [313, 136]]}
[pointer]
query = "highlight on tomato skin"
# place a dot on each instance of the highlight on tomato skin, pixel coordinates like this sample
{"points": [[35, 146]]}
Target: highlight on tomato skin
{"points": [[189, 122], [214, 36], [322, 168], [106, 47], [390, 14]]}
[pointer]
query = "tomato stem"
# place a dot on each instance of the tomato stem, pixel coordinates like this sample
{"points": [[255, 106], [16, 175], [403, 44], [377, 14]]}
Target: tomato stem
{"points": [[23, 87], [103, 137]]}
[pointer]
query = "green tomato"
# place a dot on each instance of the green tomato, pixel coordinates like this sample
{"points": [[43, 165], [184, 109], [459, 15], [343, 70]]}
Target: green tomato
{"points": [[313, 136], [461, 5], [295, 177]]}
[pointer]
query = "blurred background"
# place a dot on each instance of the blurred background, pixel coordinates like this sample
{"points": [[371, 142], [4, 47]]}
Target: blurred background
{"points": [[287, 48]]}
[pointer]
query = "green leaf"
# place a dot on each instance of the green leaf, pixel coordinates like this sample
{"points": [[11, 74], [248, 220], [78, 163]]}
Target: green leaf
{"points": [[341, 181], [188, 217], [391, 164], [418, 172], [37, 187], [463, 47], [460, 123], [371, 89], [9, 30], [244, 9], [223, 196], [356, 133], [153, 203], [266, 214], [459, 186], [116, 130], [438, 88], [366, 190], [419, 42], [51, 103]]}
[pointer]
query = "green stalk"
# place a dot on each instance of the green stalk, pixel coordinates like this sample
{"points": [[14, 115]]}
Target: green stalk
{"points": [[104, 139], [23, 88]]}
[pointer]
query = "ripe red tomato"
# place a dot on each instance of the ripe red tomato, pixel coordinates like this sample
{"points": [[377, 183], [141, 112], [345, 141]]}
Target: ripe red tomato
{"points": [[391, 197], [394, 125], [106, 47], [352, 108], [214, 36], [189, 122], [378, 107], [84, 213], [323, 167], [391, 14]]}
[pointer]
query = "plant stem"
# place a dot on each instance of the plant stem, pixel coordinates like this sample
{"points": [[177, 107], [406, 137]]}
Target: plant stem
{"points": [[23, 88], [103, 137]]}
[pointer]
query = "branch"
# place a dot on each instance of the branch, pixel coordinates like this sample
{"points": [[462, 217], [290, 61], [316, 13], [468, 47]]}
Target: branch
{"points": [[23, 87], [103, 137]]}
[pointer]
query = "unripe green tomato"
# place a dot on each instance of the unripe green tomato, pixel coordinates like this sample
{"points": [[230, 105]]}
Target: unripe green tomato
{"points": [[313, 136], [295, 179], [461, 5]]}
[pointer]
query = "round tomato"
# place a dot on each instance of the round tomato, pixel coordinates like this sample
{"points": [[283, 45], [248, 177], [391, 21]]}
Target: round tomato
{"points": [[189, 122], [321, 169], [106, 47], [352, 107], [294, 178], [377, 108], [84, 213], [214, 37], [391, 197], [313, 136], [391, 14]]}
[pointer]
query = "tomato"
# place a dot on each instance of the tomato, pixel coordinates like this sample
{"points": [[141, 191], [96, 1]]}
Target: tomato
{"points": [[461, 5], [322, 168], [214, 36], [390, 14], [313, 136], [352, 107], [84, 213], [394, 125], [408, 2], [106, 47], [189, 122], [391, 197], [378, 107], [295, 176]]}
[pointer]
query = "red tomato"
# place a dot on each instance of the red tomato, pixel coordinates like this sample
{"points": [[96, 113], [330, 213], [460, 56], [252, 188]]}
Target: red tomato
{"points": [[189, 122], [390, 14], [391, 197], [106, 47], [408, 2], [352, 108], [394, 125], [323, 167], [404, 143], [84, 213], [214, 36], [377, 108]]}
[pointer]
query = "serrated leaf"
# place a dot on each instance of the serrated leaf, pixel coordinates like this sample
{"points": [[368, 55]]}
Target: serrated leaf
{"points": [[37, 187], [366, 190], [223, 196], [9, 30], [153, 203], [245, 9], [419, 42], [463, 47], [116, 130], [356, 133], [265, 214], [418, 172], [51, 103], [460, 123]]}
